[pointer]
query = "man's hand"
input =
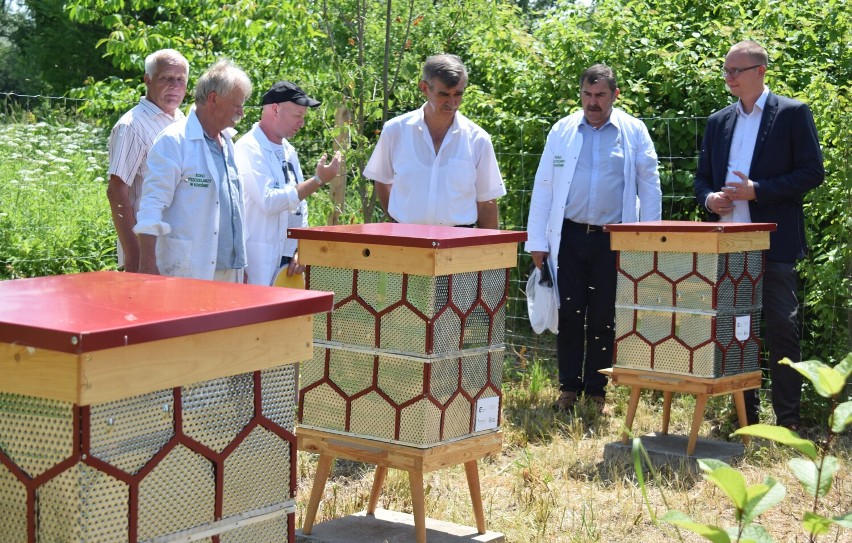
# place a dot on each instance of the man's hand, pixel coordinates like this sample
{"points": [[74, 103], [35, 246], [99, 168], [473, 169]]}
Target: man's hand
{"points": [[327, 172], [294, 267], [742, 190], [538, 257], [720, 203]]}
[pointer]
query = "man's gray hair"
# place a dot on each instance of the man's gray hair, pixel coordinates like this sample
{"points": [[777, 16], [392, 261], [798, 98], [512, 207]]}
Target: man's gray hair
{"points": [[597, 73], [449, 69], [221, 78], [163, 56]]}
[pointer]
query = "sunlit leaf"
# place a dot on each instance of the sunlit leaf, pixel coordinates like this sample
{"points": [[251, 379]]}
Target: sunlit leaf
{"points": [[842, 417], [826, 381], [780, 435], [762, 497], [816, 524], [713, 533], [806, 472]]}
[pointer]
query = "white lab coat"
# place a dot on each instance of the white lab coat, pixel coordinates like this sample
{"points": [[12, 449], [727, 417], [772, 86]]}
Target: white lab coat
{"points": [[180, 200], [272, 206], [556, 171]]}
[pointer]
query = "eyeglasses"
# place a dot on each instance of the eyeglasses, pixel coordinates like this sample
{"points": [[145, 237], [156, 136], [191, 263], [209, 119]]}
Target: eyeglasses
{"points": [[734, 73]]}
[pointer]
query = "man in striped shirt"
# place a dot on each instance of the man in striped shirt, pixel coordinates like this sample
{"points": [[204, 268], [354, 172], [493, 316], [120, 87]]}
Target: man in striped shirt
{"points": [[166, 73]]}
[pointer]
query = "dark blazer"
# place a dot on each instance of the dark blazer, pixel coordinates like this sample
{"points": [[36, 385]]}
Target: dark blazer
{"points": [[787, 163]]}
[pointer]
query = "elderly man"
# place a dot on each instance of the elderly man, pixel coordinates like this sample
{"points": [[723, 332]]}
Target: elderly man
{"points": [[275, 188], [190, 221], [433, 165], [598, 167], [166, 72], [759, 157]]}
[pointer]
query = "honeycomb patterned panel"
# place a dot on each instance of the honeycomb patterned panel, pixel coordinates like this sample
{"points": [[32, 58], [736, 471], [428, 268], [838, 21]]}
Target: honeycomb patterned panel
{"points": [[13, 507], [457, 416], [420, 423], [127, 433], [695, 292], [495, 363], [654, 291], [422, 293], [710, 266], [373, 416], [672, 356], [400, 378], [59, 509], [35, 433], [447, 332], [379, 290], [635, 264], [476, 328], [177, 494], [352, 323], [403, 331], [444, 379], [215, 411], [675, 266], [278, 390], [632, 351], [474, 373], [257, 473], [340, 281], [693, 329], [323, 407], [313, 370], [351, 371], [270, 531], [103, 505], [465, 290], [654, 325], [625, 290], [494, 283]]}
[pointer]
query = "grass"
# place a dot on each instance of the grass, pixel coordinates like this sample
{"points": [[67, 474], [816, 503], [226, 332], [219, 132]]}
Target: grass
{"points": [[550, 483]]}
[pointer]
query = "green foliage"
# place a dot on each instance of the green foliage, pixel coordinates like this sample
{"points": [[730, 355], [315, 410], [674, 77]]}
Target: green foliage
{"points": [[815, 472], [48, 225]]}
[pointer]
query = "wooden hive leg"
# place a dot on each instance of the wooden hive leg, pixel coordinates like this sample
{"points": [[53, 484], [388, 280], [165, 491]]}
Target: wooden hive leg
{"points": [[667, 410], [472, 471], [635, 390], [323, 471], [739, 402], [378, 481], [697, 419], [418, 502]]}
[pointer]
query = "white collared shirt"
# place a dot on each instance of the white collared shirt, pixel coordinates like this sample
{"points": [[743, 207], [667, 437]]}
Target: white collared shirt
{"points": [[440, 188], [743, 141]]}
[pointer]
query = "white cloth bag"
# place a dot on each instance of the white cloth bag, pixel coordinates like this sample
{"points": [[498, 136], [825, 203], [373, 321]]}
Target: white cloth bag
{"points": [[542, 305]]}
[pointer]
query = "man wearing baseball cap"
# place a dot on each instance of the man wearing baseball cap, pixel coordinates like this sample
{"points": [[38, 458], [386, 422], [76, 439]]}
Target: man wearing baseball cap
{"points": [[275, 189]]}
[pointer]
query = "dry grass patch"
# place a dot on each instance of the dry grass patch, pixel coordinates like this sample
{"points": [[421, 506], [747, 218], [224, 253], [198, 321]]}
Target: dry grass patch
{"points": [[550, 483]]}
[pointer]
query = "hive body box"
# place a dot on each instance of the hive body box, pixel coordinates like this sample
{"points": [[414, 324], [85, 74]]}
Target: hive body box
{"points": [[413, 351], [143, 408], [689, 296]]}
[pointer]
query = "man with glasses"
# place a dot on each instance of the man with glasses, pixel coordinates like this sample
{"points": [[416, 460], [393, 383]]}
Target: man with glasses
{"points": [[759, 157], [276, 190], [190, 221]]}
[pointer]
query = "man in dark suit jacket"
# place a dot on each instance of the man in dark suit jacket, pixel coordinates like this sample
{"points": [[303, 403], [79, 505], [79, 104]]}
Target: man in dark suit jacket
{"points": [[759, 156]]}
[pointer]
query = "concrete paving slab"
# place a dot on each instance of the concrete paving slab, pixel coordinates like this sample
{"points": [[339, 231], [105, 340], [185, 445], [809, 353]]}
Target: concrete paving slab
{"points": [[670, 450], [391, 527]]}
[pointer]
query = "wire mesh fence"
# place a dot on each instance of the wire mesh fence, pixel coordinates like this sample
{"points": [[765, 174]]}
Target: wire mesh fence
{"points": [[54, 216]]}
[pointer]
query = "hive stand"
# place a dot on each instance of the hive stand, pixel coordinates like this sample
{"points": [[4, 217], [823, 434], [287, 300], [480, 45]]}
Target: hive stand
{"points": [[416, 461], [700, 387]]}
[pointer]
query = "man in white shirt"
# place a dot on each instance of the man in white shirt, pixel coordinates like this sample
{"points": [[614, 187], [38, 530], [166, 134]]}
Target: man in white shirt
{"points": [[598, 167], [275, 189], [434, 165], [166, 73], [190, 221]]}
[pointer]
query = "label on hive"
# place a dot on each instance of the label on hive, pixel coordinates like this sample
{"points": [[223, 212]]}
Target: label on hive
{"points": [[487, 413]]}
